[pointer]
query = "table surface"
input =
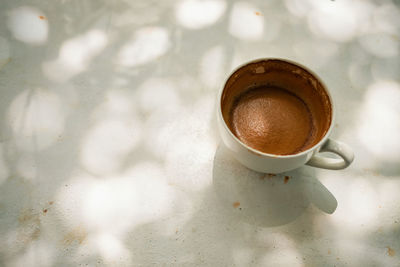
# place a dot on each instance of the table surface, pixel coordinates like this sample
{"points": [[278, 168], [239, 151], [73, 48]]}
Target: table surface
{"points": [[109, 153]]}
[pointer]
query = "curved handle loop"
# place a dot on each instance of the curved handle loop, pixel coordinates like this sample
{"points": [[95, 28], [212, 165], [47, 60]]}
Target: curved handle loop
{"points": [[336, 147]]}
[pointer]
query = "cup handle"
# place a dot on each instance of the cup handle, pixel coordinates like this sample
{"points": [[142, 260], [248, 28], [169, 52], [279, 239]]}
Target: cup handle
{"points": [[339, 148]]}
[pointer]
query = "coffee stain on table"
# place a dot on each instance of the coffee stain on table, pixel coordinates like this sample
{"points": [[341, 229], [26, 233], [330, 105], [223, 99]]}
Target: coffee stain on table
{"points": [[45, 210], [286, 179], [391, 252], [27, 216], [42, 17], [77, 235], [236, 204], [29, 226], [267, 175], [258, 13]]}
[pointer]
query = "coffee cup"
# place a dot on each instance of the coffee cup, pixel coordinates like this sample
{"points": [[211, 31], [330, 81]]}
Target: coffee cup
{"points": [[276, 115]]}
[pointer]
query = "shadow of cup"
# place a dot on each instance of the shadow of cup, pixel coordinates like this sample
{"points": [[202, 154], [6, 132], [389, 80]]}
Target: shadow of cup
{"points": [[267, 199]]}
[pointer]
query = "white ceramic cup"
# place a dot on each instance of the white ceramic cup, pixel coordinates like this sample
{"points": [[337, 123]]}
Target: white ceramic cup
{"points": [[271, 163]]}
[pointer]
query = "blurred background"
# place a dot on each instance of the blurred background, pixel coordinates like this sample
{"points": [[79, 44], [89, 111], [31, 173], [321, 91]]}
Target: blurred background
{"points": [[109, 154]]}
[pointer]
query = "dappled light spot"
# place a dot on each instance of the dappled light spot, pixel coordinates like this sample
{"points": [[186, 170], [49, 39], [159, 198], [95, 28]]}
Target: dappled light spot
{"points": [[108, 143], [163, 125], [315, 53], [192, 144], [112, 249], [243, 24], [116, 204], [195, 157], [337, 21], [362, 199], [4, 171], [273, 27], [148, 44], [184, 134], [212, 66], [286, 246], [195, 14], [380, 44], [5, 55], [75, 55], [161, 128], [361, 207], [37, 118], [106, 205], [379, 121], [157, 93], [25, 26], [118, 103]]}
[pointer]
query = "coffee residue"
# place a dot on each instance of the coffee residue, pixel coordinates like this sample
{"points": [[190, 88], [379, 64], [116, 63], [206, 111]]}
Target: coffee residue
{"points": [[269, 117], [390, 252], [77, 235], [29, 226], [286, 180], [272, 120], [236, 204]]}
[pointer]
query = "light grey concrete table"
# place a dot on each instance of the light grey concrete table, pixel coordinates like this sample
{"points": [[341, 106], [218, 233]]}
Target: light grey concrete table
{"points": [[109, 154]]}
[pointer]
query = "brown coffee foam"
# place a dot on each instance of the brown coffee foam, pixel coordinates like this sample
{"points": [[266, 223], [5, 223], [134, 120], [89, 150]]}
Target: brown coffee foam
{"points": [[281, 139]]}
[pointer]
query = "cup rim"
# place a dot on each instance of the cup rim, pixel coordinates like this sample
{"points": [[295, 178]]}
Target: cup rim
{"points": [[257, 152]]}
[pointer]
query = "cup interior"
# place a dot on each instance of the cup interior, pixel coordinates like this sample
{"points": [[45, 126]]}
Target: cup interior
{"points": [[282, 133]]}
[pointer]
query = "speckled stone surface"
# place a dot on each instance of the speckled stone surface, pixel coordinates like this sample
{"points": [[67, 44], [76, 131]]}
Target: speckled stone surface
{"points": [[109, 154]]}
